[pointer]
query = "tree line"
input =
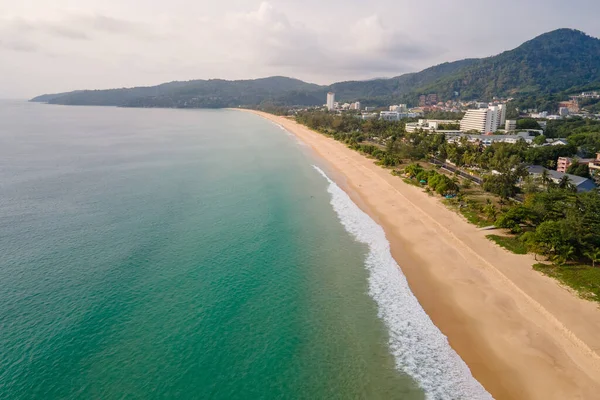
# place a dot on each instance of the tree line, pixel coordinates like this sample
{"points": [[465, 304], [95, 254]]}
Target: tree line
{"points": [[554, 220]]}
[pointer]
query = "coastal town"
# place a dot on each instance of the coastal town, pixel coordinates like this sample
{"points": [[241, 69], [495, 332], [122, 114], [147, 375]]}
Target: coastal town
{"points": [[495, 171], [429, 103], [485, 123]]}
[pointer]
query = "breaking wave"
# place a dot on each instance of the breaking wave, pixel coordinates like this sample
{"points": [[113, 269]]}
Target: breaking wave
{"points": [[418, 346], [298, 141]]}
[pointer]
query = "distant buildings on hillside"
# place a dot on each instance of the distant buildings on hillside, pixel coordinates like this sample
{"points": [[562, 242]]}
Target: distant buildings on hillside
{"points": [[332, 105], [480, 116], [399, 108], [348, 106], [428, 100], [571, 105]]}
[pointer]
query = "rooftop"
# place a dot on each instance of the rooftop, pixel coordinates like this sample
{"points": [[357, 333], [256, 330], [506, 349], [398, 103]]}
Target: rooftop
{"points": [[582, 184]]}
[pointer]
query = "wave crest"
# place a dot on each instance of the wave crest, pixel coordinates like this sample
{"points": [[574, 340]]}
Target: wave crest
{"points": [[418, 346]]}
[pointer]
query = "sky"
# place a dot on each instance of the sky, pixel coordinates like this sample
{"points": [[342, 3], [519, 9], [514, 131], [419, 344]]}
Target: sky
{"points": [[62, 45]]}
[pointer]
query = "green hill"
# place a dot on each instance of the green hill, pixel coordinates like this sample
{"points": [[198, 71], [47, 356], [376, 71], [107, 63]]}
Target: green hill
{"points": [[385, 90], [557, 61], [549, 65], [213, 93]]}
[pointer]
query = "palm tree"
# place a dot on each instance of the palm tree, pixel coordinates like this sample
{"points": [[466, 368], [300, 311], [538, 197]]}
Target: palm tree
{"points": [[564, 253], [545, 177], [593, 255], [564, 182], [529, 185]]}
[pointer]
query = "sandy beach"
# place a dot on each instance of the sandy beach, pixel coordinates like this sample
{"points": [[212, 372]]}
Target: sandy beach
{"points": [[522, 334]]}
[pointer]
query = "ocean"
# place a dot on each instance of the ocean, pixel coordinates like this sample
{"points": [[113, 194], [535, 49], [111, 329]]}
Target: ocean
{"points": [[201, 254]]}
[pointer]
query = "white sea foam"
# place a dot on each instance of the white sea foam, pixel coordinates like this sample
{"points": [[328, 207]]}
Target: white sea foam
{"points": [[298, 141], [281, 127], [418, 346]]}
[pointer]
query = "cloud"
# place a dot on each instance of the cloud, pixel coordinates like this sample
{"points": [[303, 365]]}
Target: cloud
{"points": [[99, 23], [269, 37], [371, 36], [65, 32], [18, 45], [367, 46], [90, 41], [77, 27], [24, 27], [266, 40]]}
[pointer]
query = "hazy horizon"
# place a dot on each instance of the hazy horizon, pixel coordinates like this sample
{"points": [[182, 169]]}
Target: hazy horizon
{"points": [[91, 44]]}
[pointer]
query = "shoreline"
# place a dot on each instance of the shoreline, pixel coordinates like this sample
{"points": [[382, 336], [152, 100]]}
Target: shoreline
{"points": [[522, 335]]}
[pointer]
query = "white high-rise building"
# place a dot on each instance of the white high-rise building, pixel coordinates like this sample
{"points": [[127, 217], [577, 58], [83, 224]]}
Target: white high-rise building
{"points": [[484, 120], [330, 101], [479, 120], [501, 114]]}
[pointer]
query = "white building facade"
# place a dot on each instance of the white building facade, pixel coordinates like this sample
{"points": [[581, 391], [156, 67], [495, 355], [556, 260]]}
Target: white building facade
{"points": [[355, 105], [395, 115], [484, 120], [399, 108], [479, 120], [510, 125]]}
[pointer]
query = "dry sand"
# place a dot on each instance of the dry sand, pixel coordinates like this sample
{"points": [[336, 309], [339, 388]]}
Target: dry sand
{"points": [[522, 334]]}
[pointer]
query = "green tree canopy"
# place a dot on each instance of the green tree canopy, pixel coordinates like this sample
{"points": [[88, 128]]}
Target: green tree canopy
{"points": [[539, 140], [527, 123], [579, 170]]}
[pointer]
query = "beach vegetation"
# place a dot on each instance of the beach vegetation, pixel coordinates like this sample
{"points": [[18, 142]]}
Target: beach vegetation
{"points": [[559, 224], [440, 183], [583, 279], [470, 209], [512, 244]]}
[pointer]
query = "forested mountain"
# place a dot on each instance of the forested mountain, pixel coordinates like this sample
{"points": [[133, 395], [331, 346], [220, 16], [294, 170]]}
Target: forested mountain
{"points": [[213, 93], [553, 62], [550, 65], [383, 90]]}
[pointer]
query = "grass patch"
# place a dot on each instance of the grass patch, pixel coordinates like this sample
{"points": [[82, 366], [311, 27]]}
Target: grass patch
{"points": [[473, 217], [412, 182], [585, 280], [469, 212], [510, 243]]}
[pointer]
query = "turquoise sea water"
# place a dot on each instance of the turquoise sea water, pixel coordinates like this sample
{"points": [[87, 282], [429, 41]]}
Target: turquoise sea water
{"points": [[151, 254]]}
